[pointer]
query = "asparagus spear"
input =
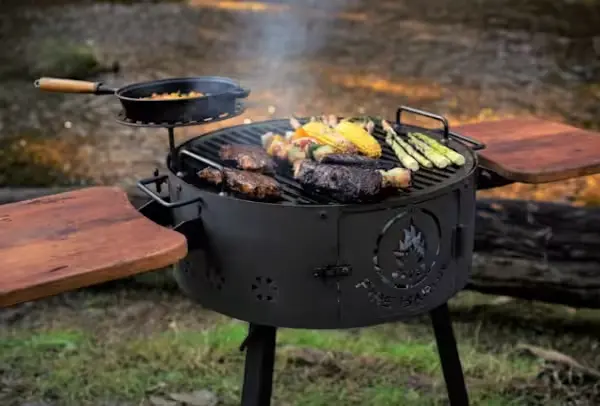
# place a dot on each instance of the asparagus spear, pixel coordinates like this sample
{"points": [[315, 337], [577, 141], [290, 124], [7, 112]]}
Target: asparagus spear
{"points": [[407, 150], [406, 160], [453, 156], [438, 159]]}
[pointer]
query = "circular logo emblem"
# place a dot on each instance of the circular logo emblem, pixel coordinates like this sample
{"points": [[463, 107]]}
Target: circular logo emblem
{"points": [[407, 249]]}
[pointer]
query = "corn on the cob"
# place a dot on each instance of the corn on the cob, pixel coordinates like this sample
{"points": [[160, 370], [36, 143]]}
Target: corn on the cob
{"points": [[452, 155], [357, 135], [438, 159], [323, 134]]}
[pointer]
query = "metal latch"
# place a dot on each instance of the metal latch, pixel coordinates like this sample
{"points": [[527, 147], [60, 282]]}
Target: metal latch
{"points": [[332, 271], [458, 241]]}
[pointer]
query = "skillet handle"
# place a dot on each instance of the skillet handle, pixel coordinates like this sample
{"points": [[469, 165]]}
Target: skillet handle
{"points": [[240, 93], [71, 86]]}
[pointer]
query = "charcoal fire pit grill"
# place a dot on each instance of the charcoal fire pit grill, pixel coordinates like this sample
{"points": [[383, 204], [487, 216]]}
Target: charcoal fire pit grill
{"points": [[305, 262], [360, 265]]}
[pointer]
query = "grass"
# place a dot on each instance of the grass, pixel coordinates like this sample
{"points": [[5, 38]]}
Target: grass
{"points": [[84, 353]]}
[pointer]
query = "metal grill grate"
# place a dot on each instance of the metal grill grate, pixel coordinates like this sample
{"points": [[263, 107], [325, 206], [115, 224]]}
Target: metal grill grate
{"points": [[424, 180]]}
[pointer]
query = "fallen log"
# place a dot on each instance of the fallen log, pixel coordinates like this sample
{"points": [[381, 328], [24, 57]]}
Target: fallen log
{"points": [[537, 230], [537, 251], [575, 284]]}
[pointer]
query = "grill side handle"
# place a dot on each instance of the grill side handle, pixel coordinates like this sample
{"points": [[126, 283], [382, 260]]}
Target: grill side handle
{"points": [[474, 144], [159, 180]]}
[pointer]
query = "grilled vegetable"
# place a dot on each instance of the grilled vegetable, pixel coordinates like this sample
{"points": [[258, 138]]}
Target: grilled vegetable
{"points": [[289, 136], [275, 145], [318, 152], [357, 135], [299, 132], [295, 153], [347, 183], [250, 184], [303, 143], [370, 126], [405, 153], [405, 159], [283, 150], [328, 155], [247, 157], [267, 139], [438, 159], [323, 134], [452, 155]]}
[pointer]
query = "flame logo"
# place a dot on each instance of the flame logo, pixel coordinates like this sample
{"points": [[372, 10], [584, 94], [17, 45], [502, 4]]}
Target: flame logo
{"points": [[413, 243], [410, 256]]}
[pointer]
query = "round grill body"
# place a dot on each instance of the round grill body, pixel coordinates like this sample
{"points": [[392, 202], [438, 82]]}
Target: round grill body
{"points": [[307, 264]]}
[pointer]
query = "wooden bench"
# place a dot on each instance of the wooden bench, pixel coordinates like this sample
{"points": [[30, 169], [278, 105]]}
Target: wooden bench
{"points": [[535, 151], [75, 239], [71, 240]]}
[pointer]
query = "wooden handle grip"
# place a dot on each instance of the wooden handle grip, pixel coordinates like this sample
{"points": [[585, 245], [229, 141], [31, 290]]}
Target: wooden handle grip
{"points": [[66, 85]]}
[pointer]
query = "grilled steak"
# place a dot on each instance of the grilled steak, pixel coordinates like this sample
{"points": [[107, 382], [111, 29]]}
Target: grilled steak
{"points": [[349, 183], [343, 183], [249, 184], [247, 157]]}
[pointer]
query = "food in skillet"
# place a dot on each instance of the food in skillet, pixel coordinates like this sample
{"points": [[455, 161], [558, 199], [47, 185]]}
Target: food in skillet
{"points": [[250, 184], [174, 95], [247, 157], [349, 184]]}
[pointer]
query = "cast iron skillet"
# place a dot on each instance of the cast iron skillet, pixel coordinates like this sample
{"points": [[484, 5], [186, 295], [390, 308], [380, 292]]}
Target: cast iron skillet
{"points": [[220, 97]]}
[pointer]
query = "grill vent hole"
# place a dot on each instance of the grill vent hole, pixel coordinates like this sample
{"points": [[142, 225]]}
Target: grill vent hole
{"points": [[265, 289], [215, 278]]}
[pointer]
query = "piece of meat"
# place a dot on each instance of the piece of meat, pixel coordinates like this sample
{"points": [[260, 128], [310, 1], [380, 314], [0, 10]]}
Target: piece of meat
{"points": [[343, 183], [250, 184], [349, 184], [247, 157], [211, 175]]}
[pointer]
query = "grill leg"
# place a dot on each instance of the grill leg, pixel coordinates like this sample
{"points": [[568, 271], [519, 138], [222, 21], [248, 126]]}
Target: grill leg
{"points": [[258, 371], [448, 351]]}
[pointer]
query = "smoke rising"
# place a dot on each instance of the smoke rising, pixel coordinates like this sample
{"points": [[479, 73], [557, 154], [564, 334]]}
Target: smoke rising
{"points": [[287, 38]]}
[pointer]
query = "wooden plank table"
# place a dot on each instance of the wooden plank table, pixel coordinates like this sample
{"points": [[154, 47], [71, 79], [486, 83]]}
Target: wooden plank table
{"points": [[70, 240], [535, 151]]}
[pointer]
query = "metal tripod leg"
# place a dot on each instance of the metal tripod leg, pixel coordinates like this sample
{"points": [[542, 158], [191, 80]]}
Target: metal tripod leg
{"points": [[448, 351], [260, 359]]}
